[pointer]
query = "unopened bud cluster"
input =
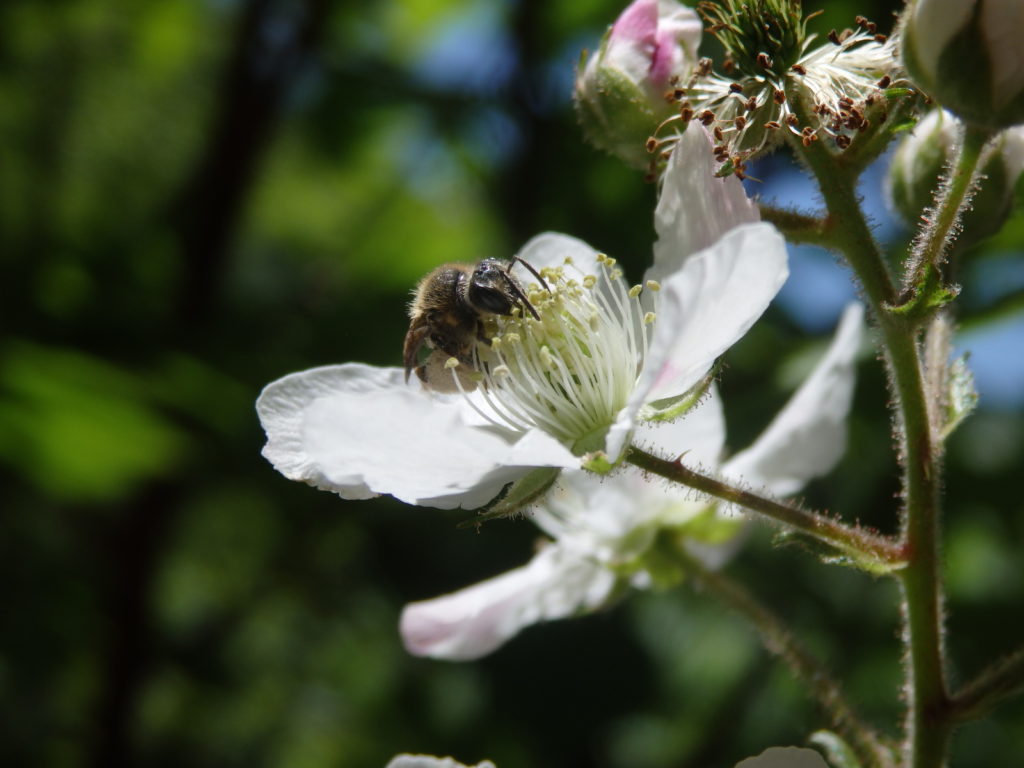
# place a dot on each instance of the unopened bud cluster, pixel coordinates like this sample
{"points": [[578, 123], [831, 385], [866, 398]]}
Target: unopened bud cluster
{"points": [[924, 156]]}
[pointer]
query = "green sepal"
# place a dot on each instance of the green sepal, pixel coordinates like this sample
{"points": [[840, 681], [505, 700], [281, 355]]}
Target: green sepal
{"points": [[929, 296], [671, 408], [835, 555], [838, 752], [516, 495], [711, 528], [961, 395], [598, 463]]}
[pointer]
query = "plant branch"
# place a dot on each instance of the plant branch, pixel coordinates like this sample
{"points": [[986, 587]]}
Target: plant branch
{"points": [[869, 550], [999, 681], [806, 667], [798, 228]]}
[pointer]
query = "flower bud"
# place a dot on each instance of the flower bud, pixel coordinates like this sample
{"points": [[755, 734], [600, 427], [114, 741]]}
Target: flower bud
{"points": [[968, 56], [921, 159], [620, 92]]}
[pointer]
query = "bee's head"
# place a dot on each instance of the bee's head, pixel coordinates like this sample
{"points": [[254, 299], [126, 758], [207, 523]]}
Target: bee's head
{"points": [[492, 289]]}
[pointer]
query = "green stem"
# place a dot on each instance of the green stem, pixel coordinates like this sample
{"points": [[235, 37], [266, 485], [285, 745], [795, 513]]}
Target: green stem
{"points": [[871, 550], [808, 669], [1001, 680], [927, 730], [931, 245]]}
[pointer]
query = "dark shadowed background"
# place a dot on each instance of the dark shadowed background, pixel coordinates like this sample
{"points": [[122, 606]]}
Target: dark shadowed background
{"points": [[199, 196]]}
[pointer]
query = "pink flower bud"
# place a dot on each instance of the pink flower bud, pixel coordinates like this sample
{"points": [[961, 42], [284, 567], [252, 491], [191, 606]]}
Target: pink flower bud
{"points": [[620, 92]]}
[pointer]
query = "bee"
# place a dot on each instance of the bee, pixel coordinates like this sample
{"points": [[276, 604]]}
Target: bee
{"points": [[448, 310]]}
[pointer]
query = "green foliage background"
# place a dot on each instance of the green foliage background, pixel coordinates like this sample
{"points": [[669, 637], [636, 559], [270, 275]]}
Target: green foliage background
{"points": [[199, 196]]}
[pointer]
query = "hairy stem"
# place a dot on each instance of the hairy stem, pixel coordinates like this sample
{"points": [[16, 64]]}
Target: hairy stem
{"points": [[927, 729], [807, 668], [868, 549], [932, 243]]}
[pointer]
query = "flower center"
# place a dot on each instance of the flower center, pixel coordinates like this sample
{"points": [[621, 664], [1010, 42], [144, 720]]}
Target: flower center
{"points": [[571, 371]]}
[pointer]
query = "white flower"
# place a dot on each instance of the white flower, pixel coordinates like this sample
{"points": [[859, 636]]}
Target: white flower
{"points": [[601, 358], [429, 761], [600, 530], [968, 56]]}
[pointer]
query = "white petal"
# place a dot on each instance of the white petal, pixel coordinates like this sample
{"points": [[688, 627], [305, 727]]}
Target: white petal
{"points": [[361, 431], [702, 311], [934, 24], [808, 436], [695, 209], [1002, 23], [700, 433], [550, 249], [429, 761], [477, 620]]}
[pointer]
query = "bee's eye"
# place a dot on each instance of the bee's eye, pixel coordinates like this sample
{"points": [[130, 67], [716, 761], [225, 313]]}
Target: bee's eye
{"points": [[489, 299]]}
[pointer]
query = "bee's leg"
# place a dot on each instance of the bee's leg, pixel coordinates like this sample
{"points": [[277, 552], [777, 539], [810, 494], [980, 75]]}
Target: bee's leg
{"points": [[481, 333], [414, 341]]}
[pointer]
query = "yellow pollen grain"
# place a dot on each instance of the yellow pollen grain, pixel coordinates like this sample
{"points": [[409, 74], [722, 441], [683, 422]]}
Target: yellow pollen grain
{"points": [[653, 285], [512, 338], [567, 260], [589, 281], [649, 318], [546, 357], [496, 342], [451, 362], [616, 274], [501, 370], [635, 291], [602, 258]]}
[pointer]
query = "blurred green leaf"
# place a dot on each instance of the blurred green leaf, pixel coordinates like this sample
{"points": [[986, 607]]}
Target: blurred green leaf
{"points": [[79, 428]]}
